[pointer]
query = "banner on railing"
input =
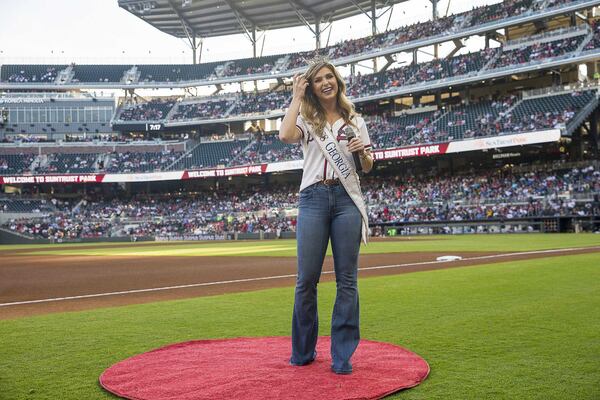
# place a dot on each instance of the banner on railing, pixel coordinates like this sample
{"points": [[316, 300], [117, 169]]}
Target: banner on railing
{"points": [[86, 178], [522, 139], [494, 142]]}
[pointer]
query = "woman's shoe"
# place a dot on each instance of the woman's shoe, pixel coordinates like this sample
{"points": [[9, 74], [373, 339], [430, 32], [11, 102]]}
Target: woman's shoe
{"points": [[304, 363], [346, 370]]}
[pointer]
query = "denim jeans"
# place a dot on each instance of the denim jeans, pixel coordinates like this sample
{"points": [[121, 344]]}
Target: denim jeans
{"points": [[327, 212]]}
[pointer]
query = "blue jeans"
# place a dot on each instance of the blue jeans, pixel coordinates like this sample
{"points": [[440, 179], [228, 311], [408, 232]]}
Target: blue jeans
{"points": [[327, 212]]}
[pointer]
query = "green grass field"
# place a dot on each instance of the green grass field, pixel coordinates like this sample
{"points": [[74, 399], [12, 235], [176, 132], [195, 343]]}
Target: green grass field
{"points": [[515, 330], [287, 248]]}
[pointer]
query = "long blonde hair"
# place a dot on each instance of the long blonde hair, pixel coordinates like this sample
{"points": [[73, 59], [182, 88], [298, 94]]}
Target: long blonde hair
{"points": [[312, 111]]}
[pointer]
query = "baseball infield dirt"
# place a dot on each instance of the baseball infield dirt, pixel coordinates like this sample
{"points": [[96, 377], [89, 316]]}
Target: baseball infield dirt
{"points": [[47, 284]]}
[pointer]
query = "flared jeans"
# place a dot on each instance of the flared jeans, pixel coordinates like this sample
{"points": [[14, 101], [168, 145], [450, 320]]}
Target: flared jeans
{"points": [[327, 212]]}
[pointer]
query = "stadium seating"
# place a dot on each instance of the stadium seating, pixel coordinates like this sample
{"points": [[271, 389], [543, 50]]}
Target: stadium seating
{"points": [[250, 103], [538, 52], [9, 205], [97, 73], [464, 120], [504, 115], [202, 110], [267, 150], [211, 154], [176, 72], [30, 73], [154, 110], [183, 72], [595, 42], [129, 162], [370, 84], [473, 196], [499, 11], [546, 112], [71, 163], [15, 163], [407, 129], [251, 66]]}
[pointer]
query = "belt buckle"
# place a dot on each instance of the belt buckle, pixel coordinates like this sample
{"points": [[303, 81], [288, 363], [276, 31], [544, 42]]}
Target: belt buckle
{"points": [[330, 182]]}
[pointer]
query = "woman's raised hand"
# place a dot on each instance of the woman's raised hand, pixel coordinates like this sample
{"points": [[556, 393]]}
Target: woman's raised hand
{"points": [[299, 87]]}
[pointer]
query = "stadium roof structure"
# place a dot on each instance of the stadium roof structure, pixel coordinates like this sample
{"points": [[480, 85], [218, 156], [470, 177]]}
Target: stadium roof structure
{"points": [[209, 18]]}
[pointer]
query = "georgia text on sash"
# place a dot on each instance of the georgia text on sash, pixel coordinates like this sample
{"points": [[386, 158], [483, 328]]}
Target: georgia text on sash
{"points": [[338, 159]]}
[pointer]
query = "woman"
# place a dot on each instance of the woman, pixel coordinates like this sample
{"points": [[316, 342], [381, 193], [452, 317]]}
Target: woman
{"points": [[331, 207]]}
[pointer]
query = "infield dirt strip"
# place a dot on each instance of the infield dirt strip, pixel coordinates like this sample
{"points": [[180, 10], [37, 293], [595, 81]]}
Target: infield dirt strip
{"points": [[44, 283]]}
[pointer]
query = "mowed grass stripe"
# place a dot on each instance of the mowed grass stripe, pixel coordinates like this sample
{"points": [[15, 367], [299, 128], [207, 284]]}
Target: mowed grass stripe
{"points": [[186, 251], [523, 330], [287, 248]]}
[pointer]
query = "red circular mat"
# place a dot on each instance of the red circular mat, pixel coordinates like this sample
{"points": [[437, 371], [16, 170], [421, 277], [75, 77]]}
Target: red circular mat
{"points": [[258, 368]]}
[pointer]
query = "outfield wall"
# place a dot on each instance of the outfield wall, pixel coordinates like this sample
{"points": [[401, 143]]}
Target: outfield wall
{"points": [[564, 224], [561, 224], [7, 237]]}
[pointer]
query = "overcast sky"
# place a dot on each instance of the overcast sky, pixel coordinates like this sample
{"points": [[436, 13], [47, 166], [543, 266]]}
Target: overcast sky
{"points": [[100, 32]]}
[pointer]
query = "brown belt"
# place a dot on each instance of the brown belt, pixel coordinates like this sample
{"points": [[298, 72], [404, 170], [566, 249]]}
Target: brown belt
{"points": [[330, 182]]}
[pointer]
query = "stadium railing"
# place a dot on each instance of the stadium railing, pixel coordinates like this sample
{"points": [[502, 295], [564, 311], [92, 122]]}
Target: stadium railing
{"points": [[527, 16]]}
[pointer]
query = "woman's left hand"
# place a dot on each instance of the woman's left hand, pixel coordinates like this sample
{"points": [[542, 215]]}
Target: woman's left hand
{"points": [[356, 145]]}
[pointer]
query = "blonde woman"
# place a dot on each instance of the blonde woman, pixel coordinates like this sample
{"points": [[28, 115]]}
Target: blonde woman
{"points": [[330, 207]]}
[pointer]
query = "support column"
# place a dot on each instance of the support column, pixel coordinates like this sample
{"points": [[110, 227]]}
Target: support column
{"points": [[438, 99], [253, 42], [594, 133], [374, 29], [416, 100], [318, 32], [194, 50], [434, 16], [592, 70], [194, 46], [254, 53]]}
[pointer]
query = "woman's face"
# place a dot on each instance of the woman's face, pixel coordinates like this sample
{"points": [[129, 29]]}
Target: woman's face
{"points": [[324, 85]]}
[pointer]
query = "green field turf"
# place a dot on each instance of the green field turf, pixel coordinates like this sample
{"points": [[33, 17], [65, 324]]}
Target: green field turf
{"points": [[515, 330], [279, 248]]}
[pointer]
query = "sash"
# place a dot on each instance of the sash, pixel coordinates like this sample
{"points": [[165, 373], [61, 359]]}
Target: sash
{"points": [[346, 173]]}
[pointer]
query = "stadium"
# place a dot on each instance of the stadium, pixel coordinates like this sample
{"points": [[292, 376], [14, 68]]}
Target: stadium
{"points": [[145, 204]]}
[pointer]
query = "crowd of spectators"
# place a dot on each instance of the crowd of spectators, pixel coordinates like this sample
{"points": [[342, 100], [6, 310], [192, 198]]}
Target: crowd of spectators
{"points": [[257, 103], [268, 149], [538, 52], [536, 121], [461, 65], [536, 117], [361, 85], [236, 69], [154, 110], [349, 47], [499, 194], [498, 11], [422, 30], [60, 227], [26, 139], [554, 3], [595, 42], [23, 76], [130, 162], [69, 163], [483, 118], [15, 163], [203, 110]]}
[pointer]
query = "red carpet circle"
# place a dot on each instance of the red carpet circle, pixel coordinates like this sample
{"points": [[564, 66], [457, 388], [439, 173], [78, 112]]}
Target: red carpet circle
{"points": [[258, 368]]}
